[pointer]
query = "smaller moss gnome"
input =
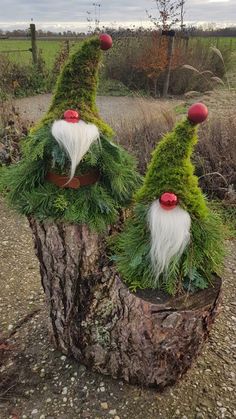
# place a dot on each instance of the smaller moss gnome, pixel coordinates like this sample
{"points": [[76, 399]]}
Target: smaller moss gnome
{"points": [[71, 170], [172, 241]]}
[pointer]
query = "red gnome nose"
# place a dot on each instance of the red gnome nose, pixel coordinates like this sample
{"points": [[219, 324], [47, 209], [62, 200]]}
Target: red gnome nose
{"points": [[168, 201], [71, 116]]}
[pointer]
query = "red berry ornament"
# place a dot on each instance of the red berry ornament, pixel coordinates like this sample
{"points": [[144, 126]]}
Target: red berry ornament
{"points": [[105, 41], [197, 113], [168, 201], [71, 116]]}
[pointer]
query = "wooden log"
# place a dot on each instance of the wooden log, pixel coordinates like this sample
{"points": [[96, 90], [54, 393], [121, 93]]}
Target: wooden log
{"points": [[145, 338]]}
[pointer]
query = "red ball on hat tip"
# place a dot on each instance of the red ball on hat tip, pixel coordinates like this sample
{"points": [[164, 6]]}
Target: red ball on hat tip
{"points": [[197, 113], [168, 201], [105, 41], [71, 116]]}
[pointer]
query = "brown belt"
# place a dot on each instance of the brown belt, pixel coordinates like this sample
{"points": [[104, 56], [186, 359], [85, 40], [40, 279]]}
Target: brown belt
{"points": [[76, 182]]}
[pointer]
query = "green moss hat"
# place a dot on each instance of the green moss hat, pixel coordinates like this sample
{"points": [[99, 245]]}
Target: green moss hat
{"points": [[77, 85], [171, 169]]}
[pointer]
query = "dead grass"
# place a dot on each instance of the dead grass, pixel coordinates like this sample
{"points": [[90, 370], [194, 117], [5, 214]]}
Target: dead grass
{"points": [[215, 155], [12, 130], [141, 134]]}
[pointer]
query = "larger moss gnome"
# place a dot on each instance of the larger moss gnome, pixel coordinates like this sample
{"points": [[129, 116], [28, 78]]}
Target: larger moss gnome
{"points": [[173, 241], [71, 170]]}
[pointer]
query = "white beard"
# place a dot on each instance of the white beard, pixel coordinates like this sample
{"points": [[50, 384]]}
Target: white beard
{"points": [[170, 234], [75, 138]]}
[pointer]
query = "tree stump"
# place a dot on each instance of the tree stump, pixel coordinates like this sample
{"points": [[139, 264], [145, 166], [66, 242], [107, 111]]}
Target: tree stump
{"points": [[144, 338]]}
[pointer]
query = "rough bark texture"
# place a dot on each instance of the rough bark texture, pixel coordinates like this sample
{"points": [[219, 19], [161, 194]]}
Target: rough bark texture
{"points": [[142, 339]]}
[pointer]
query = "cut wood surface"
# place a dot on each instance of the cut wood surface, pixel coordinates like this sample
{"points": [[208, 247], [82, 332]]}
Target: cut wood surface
{"points": [[142, 338]]}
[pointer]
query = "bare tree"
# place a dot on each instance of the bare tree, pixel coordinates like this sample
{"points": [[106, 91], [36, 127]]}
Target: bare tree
{"points": [[168, 13], [182, 14], [94, 19], [97, 15]]}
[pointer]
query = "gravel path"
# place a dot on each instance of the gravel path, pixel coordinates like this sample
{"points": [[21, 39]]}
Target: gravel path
{"points": [[38, 382], [112, 109], [116, 110]]}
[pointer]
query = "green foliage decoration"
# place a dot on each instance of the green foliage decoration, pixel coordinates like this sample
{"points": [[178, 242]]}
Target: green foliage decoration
{"points": [[97, 205], [171, 170]]}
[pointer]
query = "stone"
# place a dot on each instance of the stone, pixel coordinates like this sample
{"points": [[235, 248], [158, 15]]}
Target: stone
{"points": [[199, 415]]}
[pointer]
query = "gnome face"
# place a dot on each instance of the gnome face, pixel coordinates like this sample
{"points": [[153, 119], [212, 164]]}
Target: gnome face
{"points": [[169, 227], [75, 137]]}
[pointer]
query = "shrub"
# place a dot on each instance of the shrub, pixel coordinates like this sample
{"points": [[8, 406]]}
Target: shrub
{"points": [[144, 129], [21, 80], [60, 60], [12, 130], [139, 61], [216, 157]]}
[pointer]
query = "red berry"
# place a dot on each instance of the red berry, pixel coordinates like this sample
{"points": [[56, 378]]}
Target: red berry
{"points": [[71, 116], [168, 201], [105, 41], [197, 113]]}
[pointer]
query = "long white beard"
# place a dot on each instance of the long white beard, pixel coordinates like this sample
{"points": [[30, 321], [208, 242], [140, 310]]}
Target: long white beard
{"points": [[75, 138], [170, 234]]}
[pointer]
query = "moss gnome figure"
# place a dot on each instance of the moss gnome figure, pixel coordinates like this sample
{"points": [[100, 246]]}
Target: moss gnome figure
{"points": [[71, 170], [172, 241]]}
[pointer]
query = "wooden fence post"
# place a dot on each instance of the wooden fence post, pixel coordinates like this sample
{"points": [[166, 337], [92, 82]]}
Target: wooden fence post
{"points": [[33, 43]]}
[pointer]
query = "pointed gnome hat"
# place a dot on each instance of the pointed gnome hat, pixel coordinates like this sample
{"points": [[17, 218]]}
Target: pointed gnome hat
{"points": [[171, 169], [77, 84]]}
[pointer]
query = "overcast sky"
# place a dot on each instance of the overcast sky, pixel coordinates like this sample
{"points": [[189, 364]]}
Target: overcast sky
{"points": [[66, 14]]}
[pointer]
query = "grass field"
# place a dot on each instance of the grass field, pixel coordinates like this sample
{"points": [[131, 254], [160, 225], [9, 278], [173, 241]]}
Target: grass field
{"points": [[50, 48]]}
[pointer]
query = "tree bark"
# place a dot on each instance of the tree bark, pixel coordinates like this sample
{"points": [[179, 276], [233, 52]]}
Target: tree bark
{"points": [[143, 338]]}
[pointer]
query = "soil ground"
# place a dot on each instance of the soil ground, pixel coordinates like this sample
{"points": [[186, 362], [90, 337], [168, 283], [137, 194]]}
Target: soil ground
{"points": [[39, 382]]}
